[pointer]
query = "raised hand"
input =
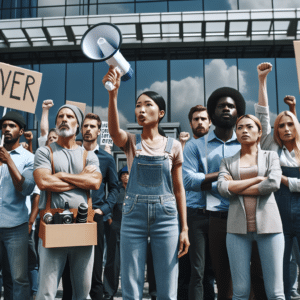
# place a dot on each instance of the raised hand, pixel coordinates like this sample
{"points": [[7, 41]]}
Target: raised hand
{"points": [[114, 76], [28, 135], [264, 69], [47, 104], [184, 137], [290, 100]]}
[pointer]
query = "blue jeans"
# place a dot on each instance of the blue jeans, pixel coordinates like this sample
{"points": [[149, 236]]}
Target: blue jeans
{"points": [[15, 240], [295, 262], [271, 248], [157, 217], [52, 264]]}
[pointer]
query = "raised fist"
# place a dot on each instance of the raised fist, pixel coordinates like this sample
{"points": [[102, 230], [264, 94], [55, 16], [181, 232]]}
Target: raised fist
{"points": [[184, 137], [264, 69], [290, 100], [28, 135], [47, 104]]}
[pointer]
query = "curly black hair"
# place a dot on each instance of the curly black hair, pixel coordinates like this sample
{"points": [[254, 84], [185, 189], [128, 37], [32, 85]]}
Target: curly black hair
{"points": [[226, 92]]}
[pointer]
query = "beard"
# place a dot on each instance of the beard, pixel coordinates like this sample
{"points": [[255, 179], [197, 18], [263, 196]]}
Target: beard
{"points": [[199, 134], [89, 138], [228, 124], [10, 140], [65, 132]]}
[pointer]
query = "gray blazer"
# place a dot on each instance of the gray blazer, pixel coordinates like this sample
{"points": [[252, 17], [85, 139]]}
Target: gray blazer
{"points": [[267, 215]]}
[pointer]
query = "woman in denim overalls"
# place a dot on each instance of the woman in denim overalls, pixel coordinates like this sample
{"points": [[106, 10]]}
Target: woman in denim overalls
{"points": [[153, 195], [286, 142]]}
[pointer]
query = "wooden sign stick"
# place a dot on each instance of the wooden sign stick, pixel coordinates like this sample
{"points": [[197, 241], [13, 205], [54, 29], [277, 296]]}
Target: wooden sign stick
{"points": [[2, 139]]}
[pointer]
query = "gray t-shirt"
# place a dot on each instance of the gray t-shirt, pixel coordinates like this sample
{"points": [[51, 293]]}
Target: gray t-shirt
{"points": [[65, 160]]}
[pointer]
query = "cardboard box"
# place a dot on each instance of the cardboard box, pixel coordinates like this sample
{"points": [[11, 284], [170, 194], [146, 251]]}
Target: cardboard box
{"points": [[68, 235]]}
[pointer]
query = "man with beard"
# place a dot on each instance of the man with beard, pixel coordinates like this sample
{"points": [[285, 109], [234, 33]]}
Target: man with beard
{"points": [[199, 122], [68, 184], [102, 205], [16, 169], [200, 285], [202, 160]]}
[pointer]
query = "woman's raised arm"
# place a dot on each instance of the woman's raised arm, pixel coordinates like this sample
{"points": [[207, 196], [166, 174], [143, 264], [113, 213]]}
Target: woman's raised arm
{"points": [[263, 70], [118, 135]]}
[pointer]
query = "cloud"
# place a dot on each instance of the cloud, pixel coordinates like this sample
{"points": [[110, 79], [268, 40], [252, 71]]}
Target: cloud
{"points": [[189, 91], [103, 114], [218, 74], [259, 4]]}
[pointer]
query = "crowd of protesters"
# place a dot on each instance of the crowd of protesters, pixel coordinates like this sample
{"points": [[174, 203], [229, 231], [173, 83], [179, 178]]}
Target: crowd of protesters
{"points": [[220, 208]]}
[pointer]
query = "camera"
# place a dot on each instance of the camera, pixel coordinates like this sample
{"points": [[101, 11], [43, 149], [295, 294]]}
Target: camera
{"points": [[66, 217], [82, 213], [48, 218]]}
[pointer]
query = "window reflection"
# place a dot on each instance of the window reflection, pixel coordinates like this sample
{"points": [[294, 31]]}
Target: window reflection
{"points": [[255, 4], [52, 87], [152, 75], [151, 7], [248, 82], [287, 81], [104, 9], [187, 89], [55, 8], [220, 4], [218, 73], [79, 83], [191, 5], [286, 4]]}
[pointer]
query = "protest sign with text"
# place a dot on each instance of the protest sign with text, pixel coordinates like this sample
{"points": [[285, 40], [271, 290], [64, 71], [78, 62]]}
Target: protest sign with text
{"points": [[19, 88], [105, 138]]}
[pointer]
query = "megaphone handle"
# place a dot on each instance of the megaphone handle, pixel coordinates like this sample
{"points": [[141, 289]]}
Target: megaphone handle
{"points": [[109, 86]]}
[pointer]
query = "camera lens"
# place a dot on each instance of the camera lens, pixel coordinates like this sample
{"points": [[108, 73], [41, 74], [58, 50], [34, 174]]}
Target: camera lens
{"points": [[48, 218], [82, 213], [67, 219]]}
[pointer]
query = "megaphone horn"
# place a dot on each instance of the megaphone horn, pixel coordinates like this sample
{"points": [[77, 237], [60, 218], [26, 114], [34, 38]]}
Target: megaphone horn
{"points": [[102, 42]]}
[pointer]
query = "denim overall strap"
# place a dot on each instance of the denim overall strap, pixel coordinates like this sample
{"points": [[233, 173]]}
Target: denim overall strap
{"points": [[138, 143], [149, 210], [169, 145], [150, 175], [288, 202]]}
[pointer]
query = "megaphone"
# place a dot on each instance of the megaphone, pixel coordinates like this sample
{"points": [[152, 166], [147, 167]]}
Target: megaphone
{"points": [[102, 42]]}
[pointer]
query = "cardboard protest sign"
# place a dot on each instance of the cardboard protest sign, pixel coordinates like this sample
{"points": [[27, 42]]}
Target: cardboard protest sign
{"points": [[297, 56], [105, 138], [19, 87], [78, 104]]}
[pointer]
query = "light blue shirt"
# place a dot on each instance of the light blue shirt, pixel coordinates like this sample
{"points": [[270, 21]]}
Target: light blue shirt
{"points": [[203, 156], [194, 170], [13, 210]]}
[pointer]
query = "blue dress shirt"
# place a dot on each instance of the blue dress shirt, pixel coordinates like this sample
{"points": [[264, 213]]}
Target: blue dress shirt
{"points": [[109, 178], [13, 210], [194, 170], [203, 156]]}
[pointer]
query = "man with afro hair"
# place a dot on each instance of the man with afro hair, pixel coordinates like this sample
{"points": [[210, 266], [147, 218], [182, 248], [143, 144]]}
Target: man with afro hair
{"points": [[202, 159]]}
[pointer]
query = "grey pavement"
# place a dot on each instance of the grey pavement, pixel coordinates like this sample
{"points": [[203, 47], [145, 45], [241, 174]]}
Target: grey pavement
{"points": [[118, 296]]}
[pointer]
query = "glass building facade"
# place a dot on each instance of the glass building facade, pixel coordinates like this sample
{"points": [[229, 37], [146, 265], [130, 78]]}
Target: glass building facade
{"points": [[184, 62], [49, 8]]}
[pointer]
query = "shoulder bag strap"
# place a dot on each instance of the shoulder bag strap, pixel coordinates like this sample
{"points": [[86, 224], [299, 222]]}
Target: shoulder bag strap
{"points": [[89, 199], [48, 203]]}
